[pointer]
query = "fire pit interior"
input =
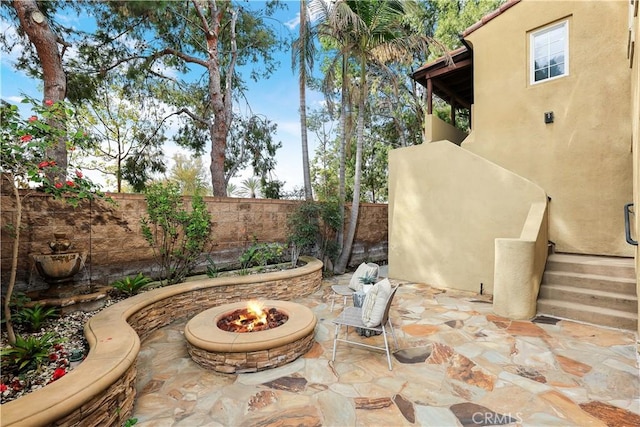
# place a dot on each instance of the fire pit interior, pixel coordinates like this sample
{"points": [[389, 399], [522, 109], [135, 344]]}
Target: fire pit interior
{"points": [[252, 318], [214, 344]]}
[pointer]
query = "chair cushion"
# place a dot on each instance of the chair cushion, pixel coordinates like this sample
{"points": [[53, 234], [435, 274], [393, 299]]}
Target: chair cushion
{"points": [[375, 303], [363, 270]]}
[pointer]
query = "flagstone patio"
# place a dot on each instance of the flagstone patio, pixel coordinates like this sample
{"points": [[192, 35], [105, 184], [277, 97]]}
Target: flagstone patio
{"points": [[458, 365]]}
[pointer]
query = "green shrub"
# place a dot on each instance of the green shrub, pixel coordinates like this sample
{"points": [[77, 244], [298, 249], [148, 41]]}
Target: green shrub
{"points": [[34, 317], [262, 254], [28, 353], [177, 236], [312, 229], [18, 301], [212, 268], [132, 285]]}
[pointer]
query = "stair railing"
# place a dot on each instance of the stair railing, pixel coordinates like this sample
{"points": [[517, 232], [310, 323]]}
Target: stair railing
{"points": [[628, 210]]}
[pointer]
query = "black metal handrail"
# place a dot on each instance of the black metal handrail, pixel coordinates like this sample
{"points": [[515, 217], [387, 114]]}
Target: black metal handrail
{"points": [[627, 224]]}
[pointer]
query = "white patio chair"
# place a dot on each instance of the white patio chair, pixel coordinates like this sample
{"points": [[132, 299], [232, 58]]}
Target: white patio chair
{"points": [[345, 291], [353, 316]]}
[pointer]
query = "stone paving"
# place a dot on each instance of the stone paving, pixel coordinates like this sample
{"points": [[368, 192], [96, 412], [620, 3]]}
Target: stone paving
{"points": [[458, 365]]}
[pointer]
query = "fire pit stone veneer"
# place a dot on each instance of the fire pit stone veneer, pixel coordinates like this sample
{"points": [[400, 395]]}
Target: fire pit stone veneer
{"points": [[244, 352]]}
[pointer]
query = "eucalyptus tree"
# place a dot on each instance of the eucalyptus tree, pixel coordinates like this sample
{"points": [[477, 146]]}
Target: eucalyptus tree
{"points": [[325, 164], [204, 42], [127, 128], [302, 57], [254, 146], [375, 31]]}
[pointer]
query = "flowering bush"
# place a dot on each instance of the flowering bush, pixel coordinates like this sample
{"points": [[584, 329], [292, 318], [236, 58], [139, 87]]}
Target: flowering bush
{"points": [[25, 163], [24, 146]]}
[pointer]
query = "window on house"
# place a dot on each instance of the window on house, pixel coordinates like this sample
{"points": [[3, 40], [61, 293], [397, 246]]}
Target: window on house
{"points": [[550, 53]]}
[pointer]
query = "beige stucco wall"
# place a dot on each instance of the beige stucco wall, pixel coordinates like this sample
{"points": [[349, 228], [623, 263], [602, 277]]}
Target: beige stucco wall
{"points": [[584, 159], [635, 106], [447, 206], [436, 129]]}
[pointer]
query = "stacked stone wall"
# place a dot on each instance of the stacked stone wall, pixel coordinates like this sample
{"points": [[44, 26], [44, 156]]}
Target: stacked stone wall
{"points": [[101, 390]]}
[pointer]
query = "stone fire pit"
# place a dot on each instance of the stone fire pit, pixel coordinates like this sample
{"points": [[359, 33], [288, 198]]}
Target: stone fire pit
{"points": [[233, 352]]}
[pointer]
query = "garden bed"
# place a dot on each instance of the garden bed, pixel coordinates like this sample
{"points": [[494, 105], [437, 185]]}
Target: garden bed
{"points": [[101, 391]]}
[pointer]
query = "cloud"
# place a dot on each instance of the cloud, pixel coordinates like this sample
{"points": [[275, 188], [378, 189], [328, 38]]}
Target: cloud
{"points": [[293, 23], [8, 29]]}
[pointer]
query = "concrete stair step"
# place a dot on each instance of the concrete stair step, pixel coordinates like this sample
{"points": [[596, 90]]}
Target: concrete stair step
{"points": [[621, 285], [590, 264], [590, 297], [588, 314]]}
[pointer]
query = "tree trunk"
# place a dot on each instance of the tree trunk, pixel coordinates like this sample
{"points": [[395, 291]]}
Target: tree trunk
{"points": [[221, 101], [11, 335], [308, 192], [345, 254], [343, 150], [40, 34]]}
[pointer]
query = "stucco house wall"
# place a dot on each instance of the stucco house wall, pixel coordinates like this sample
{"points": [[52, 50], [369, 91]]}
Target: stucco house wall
{"points": [[583, 160], [634, 61], [447, 207]]}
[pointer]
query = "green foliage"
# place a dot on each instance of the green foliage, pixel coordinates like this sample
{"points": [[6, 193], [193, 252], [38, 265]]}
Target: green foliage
{"points": [[28, 353], [212, 268], [368, 279], [251, 144], [34, 317], [132, 285], [454, 16], [272, 189], [24, 145], [312, 228], [262, 254], [190, 174], [127, 133], [18, 301], [130, 422], [177, 236]]}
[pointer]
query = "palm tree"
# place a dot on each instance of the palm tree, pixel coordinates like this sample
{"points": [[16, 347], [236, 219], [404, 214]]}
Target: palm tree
{"points": [[368, 32], [250, 188], [302, 56]]}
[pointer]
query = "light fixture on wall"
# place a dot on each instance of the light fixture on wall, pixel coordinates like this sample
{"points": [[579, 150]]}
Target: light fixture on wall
{"points": [[548, 117]]}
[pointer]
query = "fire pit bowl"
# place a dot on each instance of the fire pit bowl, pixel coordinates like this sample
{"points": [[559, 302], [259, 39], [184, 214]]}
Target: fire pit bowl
{"points": [[243, 352]]}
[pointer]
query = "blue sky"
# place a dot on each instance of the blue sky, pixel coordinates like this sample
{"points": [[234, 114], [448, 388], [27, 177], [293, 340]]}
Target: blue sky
{"points": [[275, 98]]}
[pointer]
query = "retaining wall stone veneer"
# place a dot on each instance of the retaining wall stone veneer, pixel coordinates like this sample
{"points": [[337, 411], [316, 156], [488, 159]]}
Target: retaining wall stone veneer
{"points": [[111, 235], [101, 390]]}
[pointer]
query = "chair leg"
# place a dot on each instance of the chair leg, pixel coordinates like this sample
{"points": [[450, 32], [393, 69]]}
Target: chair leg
{"points": [[335, 342], [386, 347], [393, 333], [333, 301]]}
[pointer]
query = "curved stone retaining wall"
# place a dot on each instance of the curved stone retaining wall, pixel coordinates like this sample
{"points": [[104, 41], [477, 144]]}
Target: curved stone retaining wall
{"points": [[101, 391]]}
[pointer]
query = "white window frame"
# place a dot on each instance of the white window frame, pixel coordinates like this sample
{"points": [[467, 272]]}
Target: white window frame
{"points": [[532, 62]]}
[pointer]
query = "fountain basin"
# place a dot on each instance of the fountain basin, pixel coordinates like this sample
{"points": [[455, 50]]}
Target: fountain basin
{"points": [[59, 268]]}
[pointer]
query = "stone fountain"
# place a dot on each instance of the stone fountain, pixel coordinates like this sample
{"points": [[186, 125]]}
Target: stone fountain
{"points": [[59, 269]]}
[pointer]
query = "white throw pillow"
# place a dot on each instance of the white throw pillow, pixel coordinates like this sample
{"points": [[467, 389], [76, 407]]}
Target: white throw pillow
{"points": [[363, 270], [375, 303]]}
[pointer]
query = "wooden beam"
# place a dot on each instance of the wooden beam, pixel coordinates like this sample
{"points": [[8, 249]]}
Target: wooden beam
{"points": [[429, 96], [451, 95]]}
